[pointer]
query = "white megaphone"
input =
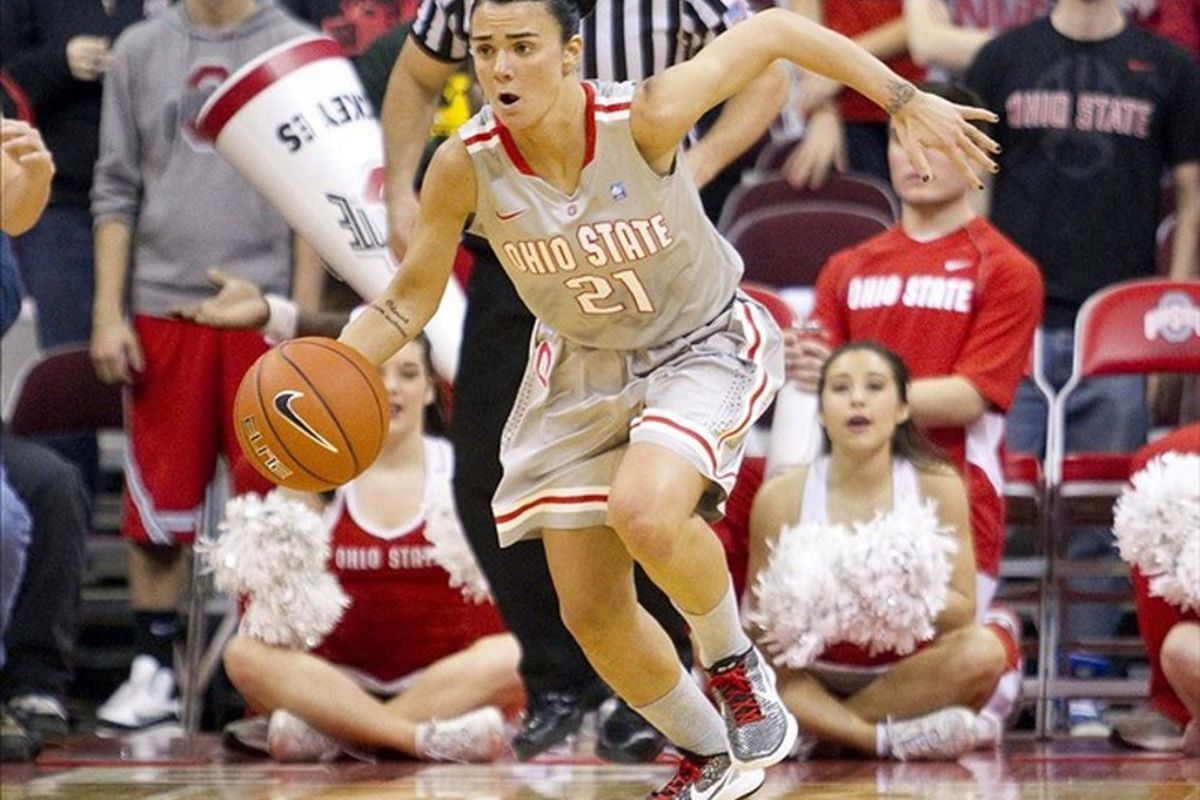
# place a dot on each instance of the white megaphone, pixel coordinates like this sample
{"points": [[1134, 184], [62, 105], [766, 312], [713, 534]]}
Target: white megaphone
{"points": [[296, 122]]}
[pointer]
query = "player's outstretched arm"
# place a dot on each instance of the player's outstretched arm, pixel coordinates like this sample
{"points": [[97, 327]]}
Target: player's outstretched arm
{"points": [[667, 106], [447, 199]]}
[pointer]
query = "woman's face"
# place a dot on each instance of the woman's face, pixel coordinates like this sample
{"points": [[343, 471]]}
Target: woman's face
{"points": [[409, 389], [520, 59], [860, 403]]}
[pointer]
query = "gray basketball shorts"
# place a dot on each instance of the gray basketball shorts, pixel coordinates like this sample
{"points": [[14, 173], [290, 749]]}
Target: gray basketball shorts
{"points": [[579, 407]]}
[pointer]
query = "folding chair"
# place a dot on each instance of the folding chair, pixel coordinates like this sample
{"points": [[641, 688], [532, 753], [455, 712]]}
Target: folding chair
{"points": [[1135, 327], [852, 189], [58, 394], [786, 245]]}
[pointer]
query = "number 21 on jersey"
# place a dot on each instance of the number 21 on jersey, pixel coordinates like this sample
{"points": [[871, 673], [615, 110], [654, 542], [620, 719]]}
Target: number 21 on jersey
{"points": [[595, 293]]}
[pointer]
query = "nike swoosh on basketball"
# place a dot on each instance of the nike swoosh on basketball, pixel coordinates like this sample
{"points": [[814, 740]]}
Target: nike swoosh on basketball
{"points": [[283, 404], [955, 264], [505, 216]]}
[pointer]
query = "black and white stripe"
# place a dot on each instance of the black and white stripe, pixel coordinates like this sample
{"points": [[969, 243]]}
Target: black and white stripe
{"points": [[623, 39]]}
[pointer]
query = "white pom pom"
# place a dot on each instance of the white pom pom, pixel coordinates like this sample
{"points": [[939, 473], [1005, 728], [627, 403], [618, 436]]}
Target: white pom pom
{"points": [[1156, 523], [880, 586], [298, 612], [797, 596], [897, 568], [450, 549], [274, 550]]}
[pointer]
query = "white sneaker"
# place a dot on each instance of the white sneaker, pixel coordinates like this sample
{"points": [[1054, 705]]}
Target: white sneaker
{"points": [[145, 699], [474, 737], [943, 735], [291, 739]]}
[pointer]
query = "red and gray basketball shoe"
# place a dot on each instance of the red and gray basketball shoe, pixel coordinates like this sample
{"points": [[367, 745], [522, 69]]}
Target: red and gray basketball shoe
{"points": [[709, 778], [760, 729]]}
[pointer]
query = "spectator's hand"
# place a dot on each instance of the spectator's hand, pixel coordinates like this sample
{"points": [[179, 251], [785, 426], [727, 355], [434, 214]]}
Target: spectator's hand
{"points": [[88, 57], [822, 149], [24, 144], [818, 91], [803, 357], [921, 121], [116, 351], [237, 304], [402, 216]]}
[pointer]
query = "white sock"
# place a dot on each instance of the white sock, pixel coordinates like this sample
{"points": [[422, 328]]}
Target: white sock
{"points": [[883, 742], [718, 631], [686, 717]]}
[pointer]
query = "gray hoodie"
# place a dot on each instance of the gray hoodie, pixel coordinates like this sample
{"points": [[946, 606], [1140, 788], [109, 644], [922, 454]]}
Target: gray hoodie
{"points": [[188, 207]]}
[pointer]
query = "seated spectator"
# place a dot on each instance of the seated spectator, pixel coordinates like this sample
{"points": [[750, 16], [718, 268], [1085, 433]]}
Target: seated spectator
{"points": [[440, 663], [1172, 638], [918, 706], [44, 510]]}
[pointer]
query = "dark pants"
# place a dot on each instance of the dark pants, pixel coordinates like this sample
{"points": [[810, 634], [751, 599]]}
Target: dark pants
{"points": [[56, 258], [42, 634], [491, 364]]}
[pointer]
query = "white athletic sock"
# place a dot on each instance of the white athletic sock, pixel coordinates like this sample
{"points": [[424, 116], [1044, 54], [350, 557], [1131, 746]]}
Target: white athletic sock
{"points": [[718, 631], [687, 718], [883, 742]]}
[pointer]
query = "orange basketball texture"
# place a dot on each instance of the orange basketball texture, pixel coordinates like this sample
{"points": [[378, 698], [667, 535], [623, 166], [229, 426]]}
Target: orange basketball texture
{"points": [[311, 414]]}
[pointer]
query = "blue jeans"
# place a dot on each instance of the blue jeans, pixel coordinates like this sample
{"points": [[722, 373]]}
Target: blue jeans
{"points": [[15, 527], [1106, 414], [57, 266]]}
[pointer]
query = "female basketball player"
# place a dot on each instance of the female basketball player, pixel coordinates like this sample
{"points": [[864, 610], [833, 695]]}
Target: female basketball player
{"points": [[647, 366], [918, 706], [408, 636]]}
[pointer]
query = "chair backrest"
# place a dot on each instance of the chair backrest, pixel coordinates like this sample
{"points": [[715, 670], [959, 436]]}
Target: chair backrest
{"points": [[786, 245], [762, 191], [779, 309], [1130, 328], [1139, 327], [59, 393]]}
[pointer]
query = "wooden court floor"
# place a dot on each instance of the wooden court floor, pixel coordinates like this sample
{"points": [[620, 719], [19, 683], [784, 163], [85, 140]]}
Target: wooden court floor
{"points": [[169, 766]]}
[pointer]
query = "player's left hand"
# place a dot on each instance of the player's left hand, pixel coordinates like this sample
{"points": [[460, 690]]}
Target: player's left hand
{"points": [[922, 121], [237, 304]]}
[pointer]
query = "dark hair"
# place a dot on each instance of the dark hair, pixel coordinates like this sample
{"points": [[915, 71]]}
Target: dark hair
{"points": [[959, 95], [568, 13], [908, 441], [435, 412]]}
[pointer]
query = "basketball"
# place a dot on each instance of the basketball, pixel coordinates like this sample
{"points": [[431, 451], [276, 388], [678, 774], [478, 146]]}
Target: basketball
{"points": [[311, 414]]}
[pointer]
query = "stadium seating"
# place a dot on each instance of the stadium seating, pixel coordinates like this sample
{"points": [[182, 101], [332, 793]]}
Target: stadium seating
{"points": [[1135, 327]]}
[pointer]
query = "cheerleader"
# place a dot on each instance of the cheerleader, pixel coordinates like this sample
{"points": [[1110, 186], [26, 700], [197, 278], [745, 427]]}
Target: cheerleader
{"points": [[920, 705]]}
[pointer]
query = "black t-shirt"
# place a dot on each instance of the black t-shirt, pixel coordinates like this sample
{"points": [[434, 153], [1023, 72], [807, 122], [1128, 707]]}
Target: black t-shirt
{"points": [[1086, 130]]}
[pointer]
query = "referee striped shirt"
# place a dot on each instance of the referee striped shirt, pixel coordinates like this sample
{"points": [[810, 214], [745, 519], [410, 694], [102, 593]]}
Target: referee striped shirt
{"points": [[622, 39]]}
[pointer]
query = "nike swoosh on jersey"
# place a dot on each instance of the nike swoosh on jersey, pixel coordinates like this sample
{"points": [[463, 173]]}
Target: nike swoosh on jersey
{"points": [[283, 404], [955, 264], [505, 216]]}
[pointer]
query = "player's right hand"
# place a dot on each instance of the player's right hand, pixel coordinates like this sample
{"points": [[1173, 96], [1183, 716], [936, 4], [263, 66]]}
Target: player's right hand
{"points": [[116, 352], [402, 217]]}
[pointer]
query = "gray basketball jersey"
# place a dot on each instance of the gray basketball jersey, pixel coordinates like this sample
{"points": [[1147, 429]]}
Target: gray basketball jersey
{"points": [[628, 261]]}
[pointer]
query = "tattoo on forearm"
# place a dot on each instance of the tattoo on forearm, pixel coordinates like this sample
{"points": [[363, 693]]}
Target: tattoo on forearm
{"points": [[899, 93], [387, 308]]}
